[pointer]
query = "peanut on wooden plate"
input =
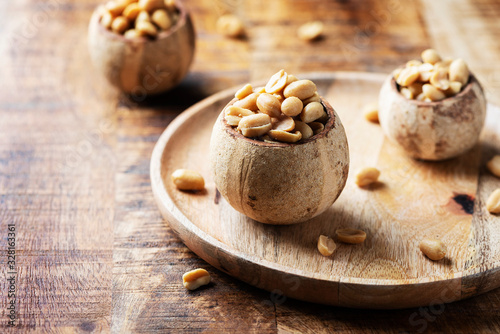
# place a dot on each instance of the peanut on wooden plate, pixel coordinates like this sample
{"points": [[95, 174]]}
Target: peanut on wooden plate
{"points": [[350, 235], [370, 111], [367, 176], [434, 249], [326, 245], [193, 279], [286, 110], [310, 31], [493, 202], [185, 179], [230, 25], [494, 165]]}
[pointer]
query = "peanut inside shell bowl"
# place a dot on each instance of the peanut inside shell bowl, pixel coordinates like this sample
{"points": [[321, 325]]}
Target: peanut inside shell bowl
{"points": [[280, 183], [433, 130], [143, 65]]}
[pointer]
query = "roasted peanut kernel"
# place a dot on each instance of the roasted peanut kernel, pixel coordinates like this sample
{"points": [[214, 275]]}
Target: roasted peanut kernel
{"points": [[151, 5], [425, 71], [283, 123], [255, 125], [370, 111], [237, 111], [494, 165], [350, 236], [310, 31], [132, 11], [161, 19], [314, 98], [326, 246], [259, 90], [312, 112], [193, 279], [120, 25], [459, 71], [142, 17], [434, 249], [430, 56], [285, 136], [408, 76], [439, 79], [367, 176], [232, 120], [406, 93], [115, 7], [421, 97], [249, 102], [244, 91], [493, 202], [290, 78], [415, 88], [413, 62], [432, 93], [304, 129], [454, 89], [317, 127], [107, 19], [170, 5], [276, 82], [269, 104], [301, 89], [230, 26], [280, 97], [185, 179], [396, 73], [291, 106], [131, 33], [146, 28]]}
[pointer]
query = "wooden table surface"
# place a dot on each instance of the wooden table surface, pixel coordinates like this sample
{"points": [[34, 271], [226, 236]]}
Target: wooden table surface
{"points": [[92, 251]]}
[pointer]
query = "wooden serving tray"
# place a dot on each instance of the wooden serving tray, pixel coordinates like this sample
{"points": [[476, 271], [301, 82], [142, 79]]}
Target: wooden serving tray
{"points": [[414, 200]]}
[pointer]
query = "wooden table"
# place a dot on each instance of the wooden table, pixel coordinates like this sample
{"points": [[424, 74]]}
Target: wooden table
{"points": [[92, 251]]}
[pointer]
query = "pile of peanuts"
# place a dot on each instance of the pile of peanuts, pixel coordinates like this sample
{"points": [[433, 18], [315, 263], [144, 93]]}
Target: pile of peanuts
{"points": [[433, 78], [136, 18], [285, 110]]}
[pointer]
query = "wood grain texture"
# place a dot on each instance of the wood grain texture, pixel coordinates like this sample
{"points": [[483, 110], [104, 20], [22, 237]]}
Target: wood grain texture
{"points": [[94, 253]]}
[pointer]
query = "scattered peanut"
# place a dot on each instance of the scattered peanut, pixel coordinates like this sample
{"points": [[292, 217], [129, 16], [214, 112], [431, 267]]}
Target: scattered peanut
{"points": [[326, 246], [310, 31], [367, 176], [193, 279], [128, 17], [435, 78], [185, 179], [350, 236], [494, 165], [371, 112], [493, 202], [230, 25], [434, 249]]}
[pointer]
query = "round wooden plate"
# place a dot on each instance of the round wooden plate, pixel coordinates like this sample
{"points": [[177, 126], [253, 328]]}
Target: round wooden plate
{"points": [[414, 200]]}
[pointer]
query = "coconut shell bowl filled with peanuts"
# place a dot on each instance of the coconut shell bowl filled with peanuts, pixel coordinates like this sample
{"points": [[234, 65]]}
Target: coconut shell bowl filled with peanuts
{"points": [[142, 46]]}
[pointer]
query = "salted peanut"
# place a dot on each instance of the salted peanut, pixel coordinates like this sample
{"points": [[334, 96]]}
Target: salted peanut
{"points": [[276, 82], [439, 79], [269, 104], [310, 31], [151, 5], [301, 89], [406, 93], [312, 112], [230, 26], [425, 70], [326, 246], [161, 19], [494, 165], [291, 106], [185, 179], [115, 7], [120, 25], [249, 102], [132, 33], [350, 235], [280, 97], [255, 125], [413, 62], [396, 73], [107, 19], [268, 139], [323, 119], [146, 28], [367, 176], [193, 279], [421, 97], [260, 90], [304, 129], [132, 11], [459, 71], [233, 120], [290, 78], [317, 127], [143, 16], [314, 98], [237, 111], [283, 123], [408, 76], [370, 111], [244, 92], [432, 93], [285, 136], [430, 56], [434, 249], [493, 202], [415, 88], [454, 89]]}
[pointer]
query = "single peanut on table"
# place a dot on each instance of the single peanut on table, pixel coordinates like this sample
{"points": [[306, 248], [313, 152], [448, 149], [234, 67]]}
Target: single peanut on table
{"points": [[434, 249], [193, 279], [230, 26], [493, 202], [311, 30], [326, 246], [367, 176], [371, 112], [185, 179], [494, 165], [350, 235]]}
